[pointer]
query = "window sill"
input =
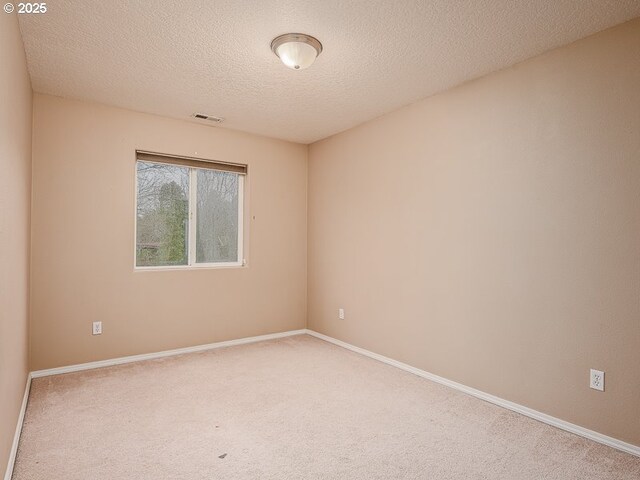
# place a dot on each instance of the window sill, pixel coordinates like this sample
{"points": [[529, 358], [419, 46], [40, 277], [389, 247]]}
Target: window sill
{"points": [[201, 266]]}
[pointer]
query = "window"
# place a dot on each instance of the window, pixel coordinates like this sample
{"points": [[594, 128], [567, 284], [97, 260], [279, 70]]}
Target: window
{"points": [[188, 212]]}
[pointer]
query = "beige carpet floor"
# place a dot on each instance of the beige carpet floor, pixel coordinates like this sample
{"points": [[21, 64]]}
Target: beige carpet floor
{"points": [[296, 408]]}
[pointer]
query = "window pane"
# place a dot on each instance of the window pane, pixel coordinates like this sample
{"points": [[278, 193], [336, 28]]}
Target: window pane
{"points": [[217, 217], [163, 209]]}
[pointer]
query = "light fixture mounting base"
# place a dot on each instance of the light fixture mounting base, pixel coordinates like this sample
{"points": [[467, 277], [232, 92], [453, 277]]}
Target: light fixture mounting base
{"points": [[295, 37]]}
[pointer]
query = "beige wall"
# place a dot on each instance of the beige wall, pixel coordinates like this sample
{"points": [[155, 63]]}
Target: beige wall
{"points": [[83, 239], [15, 200], [491, 234]]}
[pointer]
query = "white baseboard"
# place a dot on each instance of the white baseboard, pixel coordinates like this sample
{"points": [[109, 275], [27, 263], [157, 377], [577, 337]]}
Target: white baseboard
{"points": [[529, 412], [16, 437], [165, 353]]}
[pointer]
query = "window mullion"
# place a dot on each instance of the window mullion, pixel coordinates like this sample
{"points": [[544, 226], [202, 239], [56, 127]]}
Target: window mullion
{"points": [[193, 198]]}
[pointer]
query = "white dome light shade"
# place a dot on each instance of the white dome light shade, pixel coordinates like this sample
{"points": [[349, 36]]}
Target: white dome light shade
{"points": [[297, 55], [296, 50]]}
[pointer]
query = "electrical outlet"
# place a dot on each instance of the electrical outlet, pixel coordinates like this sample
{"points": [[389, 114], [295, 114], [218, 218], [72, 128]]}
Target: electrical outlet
{"points": [[341, 313], [596, 380], [97, 328]]}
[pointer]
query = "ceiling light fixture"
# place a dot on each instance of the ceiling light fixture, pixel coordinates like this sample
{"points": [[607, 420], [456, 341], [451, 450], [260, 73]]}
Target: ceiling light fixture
{"points": [[296, 50]]}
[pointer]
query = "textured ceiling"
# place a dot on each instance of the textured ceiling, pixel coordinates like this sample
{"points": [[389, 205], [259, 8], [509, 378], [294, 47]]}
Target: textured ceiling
{"points": [[175, 58]]}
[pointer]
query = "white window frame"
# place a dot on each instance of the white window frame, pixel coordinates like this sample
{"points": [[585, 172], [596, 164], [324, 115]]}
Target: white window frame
{"points": [[192, 216]]}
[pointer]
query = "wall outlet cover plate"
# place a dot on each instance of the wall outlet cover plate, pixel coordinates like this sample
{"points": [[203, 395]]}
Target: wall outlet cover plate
{"points": [[596, 380], [97, 328]]}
